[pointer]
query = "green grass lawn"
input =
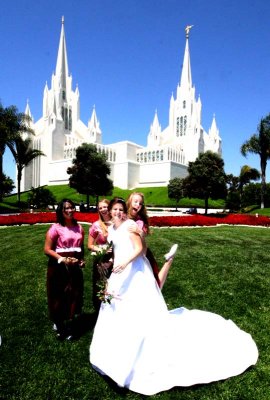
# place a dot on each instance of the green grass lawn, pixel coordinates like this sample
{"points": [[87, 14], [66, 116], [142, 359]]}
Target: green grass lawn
{"points": [[154, 197], [221, 269]]}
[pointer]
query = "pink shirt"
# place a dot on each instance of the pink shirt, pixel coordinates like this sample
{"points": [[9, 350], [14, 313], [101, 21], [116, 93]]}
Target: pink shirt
{"points": [[96, 232], [66, 238], [141, 225]]}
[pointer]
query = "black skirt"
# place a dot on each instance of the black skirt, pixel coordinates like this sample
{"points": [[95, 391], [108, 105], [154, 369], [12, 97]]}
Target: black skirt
{"points": [[64, 291]]}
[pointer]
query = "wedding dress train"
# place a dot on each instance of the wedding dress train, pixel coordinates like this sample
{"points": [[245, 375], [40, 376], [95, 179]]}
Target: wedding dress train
{"points": [[141, 345]]}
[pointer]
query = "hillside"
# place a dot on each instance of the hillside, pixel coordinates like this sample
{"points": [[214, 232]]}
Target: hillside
{"points": [[154, 197]]}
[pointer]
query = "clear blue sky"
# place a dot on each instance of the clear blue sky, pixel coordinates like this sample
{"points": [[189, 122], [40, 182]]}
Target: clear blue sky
{"points": [[126, 57]]}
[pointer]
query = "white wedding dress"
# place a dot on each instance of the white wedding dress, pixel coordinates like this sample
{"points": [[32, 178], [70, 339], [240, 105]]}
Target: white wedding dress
{"points": [[141, 345]]}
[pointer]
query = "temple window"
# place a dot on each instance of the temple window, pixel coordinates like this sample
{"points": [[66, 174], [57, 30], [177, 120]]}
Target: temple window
{"points": [[185, 124], [161, 155], [177, 126], [181, 126], [69, 119]]}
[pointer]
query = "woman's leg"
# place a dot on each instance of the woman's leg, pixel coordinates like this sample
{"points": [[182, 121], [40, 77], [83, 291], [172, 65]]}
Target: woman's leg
{"points": [[162, 275]]}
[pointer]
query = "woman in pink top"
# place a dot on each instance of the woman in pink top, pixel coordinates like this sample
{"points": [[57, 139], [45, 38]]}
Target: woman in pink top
{"points": [[97, 239], [64, 245]]}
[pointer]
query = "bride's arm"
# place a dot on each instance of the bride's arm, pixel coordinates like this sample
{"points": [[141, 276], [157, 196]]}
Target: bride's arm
{"points": [[137, 250]]}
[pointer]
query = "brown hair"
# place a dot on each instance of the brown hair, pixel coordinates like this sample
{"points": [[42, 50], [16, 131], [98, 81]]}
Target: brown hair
{"points": [[117, 200]]}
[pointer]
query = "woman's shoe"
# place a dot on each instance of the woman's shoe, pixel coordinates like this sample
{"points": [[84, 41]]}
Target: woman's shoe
{"points": [[171, 253], [61, 336], [60, 330]]}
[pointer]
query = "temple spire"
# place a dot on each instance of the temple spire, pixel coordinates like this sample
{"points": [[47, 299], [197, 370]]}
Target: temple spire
{"points": [[61, 71], [187, 29], [27, 110], [186, 80]]}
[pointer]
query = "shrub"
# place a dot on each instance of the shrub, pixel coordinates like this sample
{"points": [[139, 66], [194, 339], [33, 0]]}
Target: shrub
{"points": [[40, 197]]}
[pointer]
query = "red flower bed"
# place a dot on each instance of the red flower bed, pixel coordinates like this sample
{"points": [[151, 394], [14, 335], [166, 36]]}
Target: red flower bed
{"points": [[203, 220], [41, 218], [192, 220]]}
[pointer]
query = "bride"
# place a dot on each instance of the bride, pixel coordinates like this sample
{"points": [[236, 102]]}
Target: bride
{"points": [[151, 349]]}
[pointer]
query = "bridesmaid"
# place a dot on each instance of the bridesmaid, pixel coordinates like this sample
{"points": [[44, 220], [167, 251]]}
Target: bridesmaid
{"points": [[97, 238], [65, 250]]}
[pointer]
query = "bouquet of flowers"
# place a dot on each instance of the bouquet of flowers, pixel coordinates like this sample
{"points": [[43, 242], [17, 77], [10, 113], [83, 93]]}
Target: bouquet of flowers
{"points": [[103, 295], [103, 259]]}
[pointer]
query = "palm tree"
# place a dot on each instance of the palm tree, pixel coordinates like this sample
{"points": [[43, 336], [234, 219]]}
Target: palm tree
{"points": [[23, 154], [12, 125], [259, 143]]}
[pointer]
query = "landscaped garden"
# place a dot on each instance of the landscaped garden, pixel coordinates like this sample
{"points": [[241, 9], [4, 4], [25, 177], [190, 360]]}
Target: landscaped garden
{"points": [[181, 220], [224, 269]]}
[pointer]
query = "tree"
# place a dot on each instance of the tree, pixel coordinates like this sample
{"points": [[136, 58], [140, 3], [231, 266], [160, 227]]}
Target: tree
{"points": [[247, 174], [40, 197], [259, 143], [89, 173], [176, 190], [206, 178], [8, 185], [233, 197], [236, 186], [23, 154], [252, 195], [12, 125]]}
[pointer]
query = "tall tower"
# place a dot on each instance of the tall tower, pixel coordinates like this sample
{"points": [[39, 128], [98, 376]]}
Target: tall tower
{"points": [[58, 125], [185, 111], [60, 103]]}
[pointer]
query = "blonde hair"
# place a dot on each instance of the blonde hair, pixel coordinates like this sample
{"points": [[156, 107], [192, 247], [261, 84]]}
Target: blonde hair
{"points": [[142, 214], [101, 219]]}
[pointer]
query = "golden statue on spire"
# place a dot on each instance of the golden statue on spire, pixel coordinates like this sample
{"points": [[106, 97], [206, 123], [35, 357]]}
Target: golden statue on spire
{"points": [[187, 29]]}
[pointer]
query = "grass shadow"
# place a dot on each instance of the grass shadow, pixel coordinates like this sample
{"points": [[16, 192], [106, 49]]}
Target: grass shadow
{"points": [[83, 324]]}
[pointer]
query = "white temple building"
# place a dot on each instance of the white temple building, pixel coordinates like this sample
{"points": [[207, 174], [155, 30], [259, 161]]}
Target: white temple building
{"points": [[60, 131]]}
